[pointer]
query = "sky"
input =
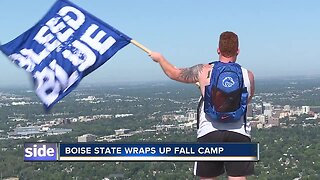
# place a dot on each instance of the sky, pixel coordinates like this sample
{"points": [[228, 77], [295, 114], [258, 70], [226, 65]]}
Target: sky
{"points": [[277, 38]]}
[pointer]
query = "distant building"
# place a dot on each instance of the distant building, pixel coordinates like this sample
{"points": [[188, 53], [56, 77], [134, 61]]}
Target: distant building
{"points": [[25, 131], [45, 128], [315, 116], [267, 113], [74, 120], [295, 111], [66, 121], [305, 109], [57, 131], [273, 122], [191, 115], [249, 110], [259, 126], [166, 117], [286, 108], [262, 119], [164, 127], [87, 138], [315, 109], [267, 106], [11, 178], [121, 131], [122, 115], [254, 123], [191, 124], [160, 128], [276, 113], [258, 109], [180, 118], [267, 109], [262, 108]]}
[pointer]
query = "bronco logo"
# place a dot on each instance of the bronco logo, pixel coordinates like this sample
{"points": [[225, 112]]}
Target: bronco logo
{"points": [[227, 82]]}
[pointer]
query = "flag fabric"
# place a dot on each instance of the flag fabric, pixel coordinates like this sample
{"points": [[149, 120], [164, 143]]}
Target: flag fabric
{"points": [[63, 47]]}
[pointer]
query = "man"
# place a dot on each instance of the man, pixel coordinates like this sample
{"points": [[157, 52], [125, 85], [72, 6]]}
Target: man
{"points": [[212, 131]]}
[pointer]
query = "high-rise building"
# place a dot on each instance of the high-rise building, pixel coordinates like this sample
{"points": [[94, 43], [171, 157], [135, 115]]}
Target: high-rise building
{"points": [[305, 109], [249, 110], [267, 106], [267, 109], [262, 107]]}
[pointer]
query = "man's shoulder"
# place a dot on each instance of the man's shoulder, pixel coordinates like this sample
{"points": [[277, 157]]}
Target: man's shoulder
{"points": [[249, 71], [209, 65], [204, 67]]}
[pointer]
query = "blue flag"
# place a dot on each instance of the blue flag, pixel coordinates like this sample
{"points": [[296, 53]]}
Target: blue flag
{"points": [[63, 47]]}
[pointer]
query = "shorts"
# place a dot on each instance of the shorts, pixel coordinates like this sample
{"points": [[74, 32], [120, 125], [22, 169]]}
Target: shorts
{"points": [[217, 168]]}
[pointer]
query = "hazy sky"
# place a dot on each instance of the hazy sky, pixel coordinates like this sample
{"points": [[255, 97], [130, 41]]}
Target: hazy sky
{"points": [[277, 38]]}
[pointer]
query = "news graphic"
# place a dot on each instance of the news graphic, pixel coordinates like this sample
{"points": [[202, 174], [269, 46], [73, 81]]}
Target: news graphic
{"points": [[40, 152], [141, 152]]}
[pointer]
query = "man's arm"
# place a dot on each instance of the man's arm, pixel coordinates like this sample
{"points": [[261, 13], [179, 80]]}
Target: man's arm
{"points": [[185, 75], [252, 86]]}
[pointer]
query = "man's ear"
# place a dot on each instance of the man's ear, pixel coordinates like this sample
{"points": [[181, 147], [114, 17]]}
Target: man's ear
{"points": [[238, 51], [218, 51]]}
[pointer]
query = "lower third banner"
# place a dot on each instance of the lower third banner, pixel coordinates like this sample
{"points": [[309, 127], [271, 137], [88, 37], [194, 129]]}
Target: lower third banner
{"points": [[141, 152]]}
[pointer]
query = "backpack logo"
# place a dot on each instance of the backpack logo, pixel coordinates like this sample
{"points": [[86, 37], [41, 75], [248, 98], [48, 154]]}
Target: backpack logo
{"points": [[228, 82]]}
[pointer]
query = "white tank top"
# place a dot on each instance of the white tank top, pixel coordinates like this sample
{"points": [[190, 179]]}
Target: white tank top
{"points": [[206, 126]]}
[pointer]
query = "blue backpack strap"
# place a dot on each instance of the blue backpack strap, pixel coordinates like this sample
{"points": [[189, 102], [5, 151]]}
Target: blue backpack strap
{"points": [[214, 62], [202, 99]]}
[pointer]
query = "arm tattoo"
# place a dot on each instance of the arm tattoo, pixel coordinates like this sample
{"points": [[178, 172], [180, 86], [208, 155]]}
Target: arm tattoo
{"points": [[192, 73]]}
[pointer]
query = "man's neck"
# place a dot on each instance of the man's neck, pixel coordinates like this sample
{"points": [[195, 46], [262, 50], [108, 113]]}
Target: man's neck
{"points": [[227, 59]]}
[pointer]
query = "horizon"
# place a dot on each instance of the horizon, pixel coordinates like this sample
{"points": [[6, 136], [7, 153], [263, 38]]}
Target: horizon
{"points": [[100, 83]]}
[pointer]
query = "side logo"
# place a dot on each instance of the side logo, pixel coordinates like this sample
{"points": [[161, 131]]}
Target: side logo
{"points": [[40, 152], [228, 82]]}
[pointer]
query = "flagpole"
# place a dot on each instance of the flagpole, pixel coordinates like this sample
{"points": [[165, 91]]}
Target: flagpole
{"points": [[140, 46]]}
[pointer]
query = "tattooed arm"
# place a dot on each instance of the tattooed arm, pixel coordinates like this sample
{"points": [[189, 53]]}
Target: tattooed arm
{"points": [[191, 74], [185, 75]]}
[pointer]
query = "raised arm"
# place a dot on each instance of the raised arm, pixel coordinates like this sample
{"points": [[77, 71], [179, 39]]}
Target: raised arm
{"points": [[185, 75]]}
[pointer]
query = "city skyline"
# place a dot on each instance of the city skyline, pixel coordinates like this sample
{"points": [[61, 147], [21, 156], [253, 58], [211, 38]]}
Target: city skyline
{"points": [[276, 38]]}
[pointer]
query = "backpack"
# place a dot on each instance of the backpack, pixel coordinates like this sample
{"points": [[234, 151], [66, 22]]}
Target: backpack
{"points": [[225, 98]]}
